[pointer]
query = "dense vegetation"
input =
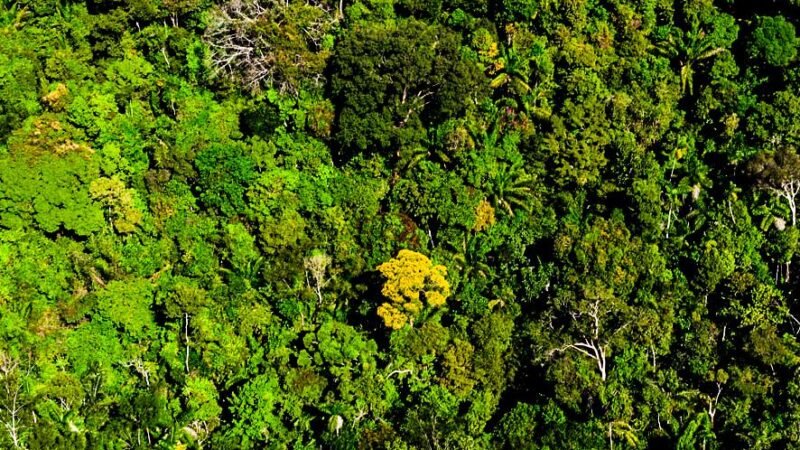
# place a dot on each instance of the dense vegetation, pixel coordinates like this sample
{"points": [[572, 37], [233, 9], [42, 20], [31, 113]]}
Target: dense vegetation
{"points": [[434, 224]]}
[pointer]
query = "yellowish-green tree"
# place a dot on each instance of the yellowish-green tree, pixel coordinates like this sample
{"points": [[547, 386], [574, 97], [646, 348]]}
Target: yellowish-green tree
{"points": [[119, 200], [484, 216]]}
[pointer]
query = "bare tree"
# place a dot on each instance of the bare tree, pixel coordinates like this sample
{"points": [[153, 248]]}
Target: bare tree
{"points": [[186, 339], [335, 424], [593, 350], [779, 173], [273, 42], [199, 431], [590, 347], [140, 367], [317, 266], [712, 403], [12, 404]]}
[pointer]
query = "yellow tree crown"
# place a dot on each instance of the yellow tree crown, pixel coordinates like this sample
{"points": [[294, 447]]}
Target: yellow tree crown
{"points": [[411, 278]]}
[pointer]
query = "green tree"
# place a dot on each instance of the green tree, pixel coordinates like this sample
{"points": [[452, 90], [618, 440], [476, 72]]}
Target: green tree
{"points": [[391, 78], [45, 181], [773, 41]]}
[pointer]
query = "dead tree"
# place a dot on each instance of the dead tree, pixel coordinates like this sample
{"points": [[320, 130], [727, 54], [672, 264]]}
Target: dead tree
{"points": [[12, 404], [592, 349], [589, 346], [317, 267], [140, 367], [779, 173], [270, 42]]}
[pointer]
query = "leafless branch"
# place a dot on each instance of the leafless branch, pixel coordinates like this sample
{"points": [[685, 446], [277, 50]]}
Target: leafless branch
{"points": [[245, 45], [590, 348], [317, 266]]}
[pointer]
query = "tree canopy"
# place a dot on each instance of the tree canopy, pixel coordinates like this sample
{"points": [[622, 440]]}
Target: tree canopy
{"points": [[399, 224]]}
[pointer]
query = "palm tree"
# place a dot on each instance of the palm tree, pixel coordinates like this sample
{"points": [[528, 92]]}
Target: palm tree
{"points": [[510, 186], [12, 15], [249, 273], [469, 259], [513, 69], [689, 48], [410, 157], [622, 429]]}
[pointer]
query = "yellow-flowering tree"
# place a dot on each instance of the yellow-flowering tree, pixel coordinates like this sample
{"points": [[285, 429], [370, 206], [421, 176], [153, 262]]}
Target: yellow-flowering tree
{"points": [[412, 281]]}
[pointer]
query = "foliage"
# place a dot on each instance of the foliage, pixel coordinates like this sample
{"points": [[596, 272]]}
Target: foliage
{"points": [[399, 224], [412, 282], [392, 77], [774, 41]]}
